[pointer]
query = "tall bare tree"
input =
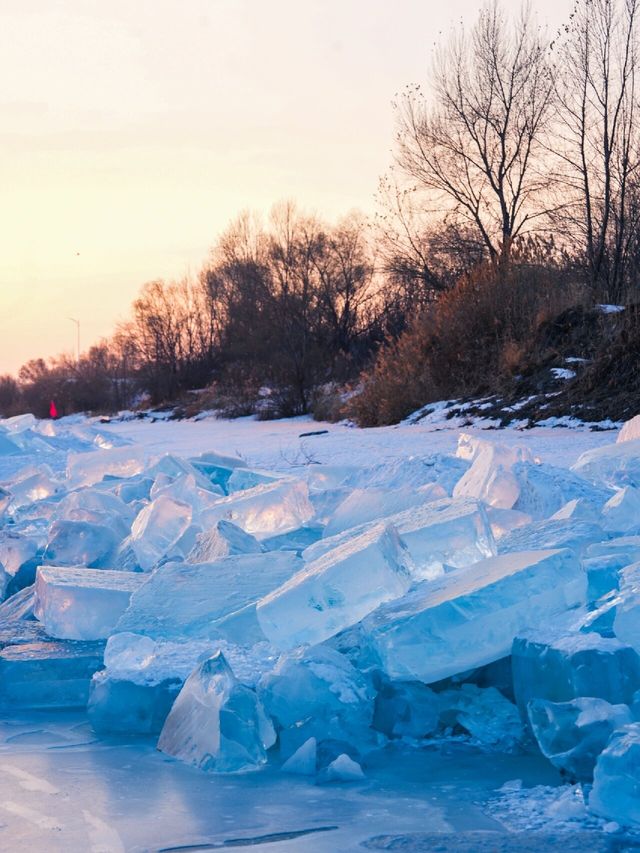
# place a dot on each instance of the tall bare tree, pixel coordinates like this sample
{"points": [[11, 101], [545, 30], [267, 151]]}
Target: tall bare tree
{"points": [[474, 145], [597, 140]]}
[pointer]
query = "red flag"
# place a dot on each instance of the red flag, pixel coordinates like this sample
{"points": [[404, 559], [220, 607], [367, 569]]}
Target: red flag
{"points": [[53, 412]]}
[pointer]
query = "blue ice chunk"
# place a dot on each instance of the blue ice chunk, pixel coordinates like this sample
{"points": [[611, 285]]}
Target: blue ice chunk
{"points": [[616, 779]]}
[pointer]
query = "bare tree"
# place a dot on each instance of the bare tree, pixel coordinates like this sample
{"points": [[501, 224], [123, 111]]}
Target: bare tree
{"points": [[474, 146], [597, 140]]}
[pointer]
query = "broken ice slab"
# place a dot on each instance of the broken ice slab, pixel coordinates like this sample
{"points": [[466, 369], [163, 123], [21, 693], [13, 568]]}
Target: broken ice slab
{"points": [[136, 489], [17, 631], [406, 709], [19, 556], [614, 465], [85, 469], [627, 545], [216, 723], [578, 509], [627, 606], [621, 513], [447, 532], [248, 478], [616, 779], [490, 477], [7, 446], [469, 617], [157, 529], [80, 543], [185, 599], [130, 708], [573, 734], [98, 507], [336, 590], [484, 713], [603, 574], [82, 604], [217, 467], [19, 606], [168, 468], [222, 540], [264, 511], [563, 668], [298, 540], [503, 521], [318, 684], [47, 674], [545, 489], [575, 535], [365, 505], [33, 486], [630, 430]]}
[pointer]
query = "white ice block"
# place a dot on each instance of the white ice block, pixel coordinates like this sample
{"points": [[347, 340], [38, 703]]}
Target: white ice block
{"points": [[157, 528], [337, 590], [222, 540], [185, 599], [85, 469], [80, 543], [216, 723], [621, 513], [614, 465], [82, 604], [490, 477], [264, 511], [470, 617]]}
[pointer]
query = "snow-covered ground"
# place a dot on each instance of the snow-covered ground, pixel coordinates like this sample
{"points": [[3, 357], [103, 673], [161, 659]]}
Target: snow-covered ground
{"points": [[64, 787]]}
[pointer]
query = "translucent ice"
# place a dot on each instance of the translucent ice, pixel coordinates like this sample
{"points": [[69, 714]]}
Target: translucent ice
{"points": [[544, 489], [85, 469], [157, 528], [566, 667], [364, 505], [304, 760], [616, 779], [18, 560], [185, 599], [614, 465], [406, 709], [216, 723], [573, 734], [318, 687], [264, 511], [627, 606], [490, 477], [343, 769], [222, 540], [80, 543], [630, 430], [621, 513], [336, 590], [469, 617], [82, 604], [124, 706], [576, 535], [484, 713]]}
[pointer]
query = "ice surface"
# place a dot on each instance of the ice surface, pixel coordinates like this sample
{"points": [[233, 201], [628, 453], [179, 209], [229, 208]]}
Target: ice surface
{"points": [[85, 469], [544, 489], [615, 465], [470, 617], [266, 510], [216, 723], [337, 590], [567, 667], [185, 599], [99, 507], [453, 533], [491, 477], [364, 505], [80, 543], [630, 430], [34, 486], [616, 779], [157, 529], [242, 479], [316, 692], [222, 540], [629, 546], [621, 513], [82, 604], [575, 535], [578, 509], [46, 674], [573, 734]]}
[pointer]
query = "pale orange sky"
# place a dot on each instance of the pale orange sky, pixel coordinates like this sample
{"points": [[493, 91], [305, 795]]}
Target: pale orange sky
{"points": [[133, 132]]}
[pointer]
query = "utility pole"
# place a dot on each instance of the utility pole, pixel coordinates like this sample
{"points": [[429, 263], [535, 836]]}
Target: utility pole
{"points": [[77, 322]]}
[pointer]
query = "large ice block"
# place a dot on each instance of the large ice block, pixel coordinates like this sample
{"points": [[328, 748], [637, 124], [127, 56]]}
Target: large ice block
{"points": [[484, 713], [34, 486], [621, 513], [186, 599], [575, 535], [157, 529], [630, 430], [453, 533], [82, 604], [563, 668], [264, 511], [18, 559], [364, 505], [47, 674], [470, 617], [85, 469], [98, 507], [616, 779], [544, 489], [491, 477], [573, 734], [80, 543], [222, 540], [319, 686], [336, 590], [614, 465], [627, 606], [216, 723], [130, 708], [406, 709]]}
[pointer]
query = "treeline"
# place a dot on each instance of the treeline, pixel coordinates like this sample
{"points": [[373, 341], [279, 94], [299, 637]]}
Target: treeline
{"points": [[515, 194]]}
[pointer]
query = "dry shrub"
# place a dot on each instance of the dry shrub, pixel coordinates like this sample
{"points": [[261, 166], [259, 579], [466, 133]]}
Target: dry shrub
{"points": [[467, 343]]}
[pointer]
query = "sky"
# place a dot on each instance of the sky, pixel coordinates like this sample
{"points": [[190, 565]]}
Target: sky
{"points": [[132, 133]]}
